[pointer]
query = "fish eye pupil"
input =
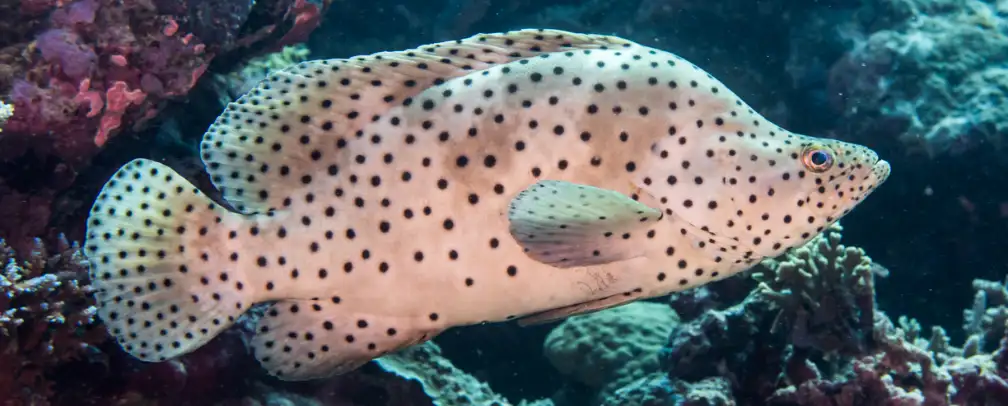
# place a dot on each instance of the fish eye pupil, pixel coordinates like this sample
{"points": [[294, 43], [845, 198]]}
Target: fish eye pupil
{"points": [[819, 158]]}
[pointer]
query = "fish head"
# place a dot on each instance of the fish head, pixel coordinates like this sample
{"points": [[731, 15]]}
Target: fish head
{"points": [[779, 190], [817, 182]]}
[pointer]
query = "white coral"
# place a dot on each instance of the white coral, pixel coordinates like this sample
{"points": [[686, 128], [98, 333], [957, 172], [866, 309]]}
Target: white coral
{"points": [[6, 112]]}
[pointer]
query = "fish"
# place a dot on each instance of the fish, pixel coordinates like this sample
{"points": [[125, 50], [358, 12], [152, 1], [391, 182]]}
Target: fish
{"points": [[373, 202]]}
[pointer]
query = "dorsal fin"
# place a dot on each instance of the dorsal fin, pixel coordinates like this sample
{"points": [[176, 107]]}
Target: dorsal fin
{"points": [[293, 125]]}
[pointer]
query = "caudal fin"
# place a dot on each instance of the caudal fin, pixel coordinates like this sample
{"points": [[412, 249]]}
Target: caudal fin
{"points": [[166, 283]]}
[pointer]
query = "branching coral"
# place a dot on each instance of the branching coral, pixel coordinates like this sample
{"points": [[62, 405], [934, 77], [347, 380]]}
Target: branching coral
{"points": [[45, 318], [811, 304], [985, 321], [825, 293], [810, 334]]}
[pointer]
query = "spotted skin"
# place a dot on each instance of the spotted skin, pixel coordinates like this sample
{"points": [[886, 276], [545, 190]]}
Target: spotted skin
{"points": [[381, 199]]}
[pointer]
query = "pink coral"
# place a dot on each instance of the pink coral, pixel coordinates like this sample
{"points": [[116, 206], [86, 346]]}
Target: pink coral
{"points": [[89, 98], [79, 72], [101, 49], [117, 99], [307, 16]]}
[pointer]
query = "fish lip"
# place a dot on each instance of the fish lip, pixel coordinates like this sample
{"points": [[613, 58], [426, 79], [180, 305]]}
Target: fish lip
{"points": [[881, 170], [879, 173]]}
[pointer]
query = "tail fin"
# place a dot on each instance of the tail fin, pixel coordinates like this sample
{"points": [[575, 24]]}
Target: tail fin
{"points": [[166, 283]]}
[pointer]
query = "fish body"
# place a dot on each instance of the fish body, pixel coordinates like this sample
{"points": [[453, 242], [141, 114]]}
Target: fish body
{"points": [[382, 199]]}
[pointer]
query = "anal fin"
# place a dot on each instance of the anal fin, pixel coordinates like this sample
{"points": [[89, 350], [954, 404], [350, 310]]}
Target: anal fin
{"points": [[580, 308], [308, 339], [568, 225]]}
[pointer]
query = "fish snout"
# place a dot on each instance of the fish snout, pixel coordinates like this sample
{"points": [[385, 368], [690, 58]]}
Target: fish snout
{"points": [[881, 171], [877, 174]]}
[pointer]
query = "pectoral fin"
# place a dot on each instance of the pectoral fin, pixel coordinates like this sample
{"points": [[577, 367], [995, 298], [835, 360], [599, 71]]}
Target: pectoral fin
{"points": [[569, 225]]}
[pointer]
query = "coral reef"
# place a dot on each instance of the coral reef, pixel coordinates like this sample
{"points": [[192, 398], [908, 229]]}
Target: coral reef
{"points": [[79, 72], [609, 349], [442, 381], [806, 331], [83, 77], [931, 72], [46, 318], [810, 334], [232, 85]]}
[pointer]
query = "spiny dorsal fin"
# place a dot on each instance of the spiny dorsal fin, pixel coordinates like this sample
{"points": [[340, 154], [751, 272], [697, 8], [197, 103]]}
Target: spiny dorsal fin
{"points": [[294, 124], [567, 225]]}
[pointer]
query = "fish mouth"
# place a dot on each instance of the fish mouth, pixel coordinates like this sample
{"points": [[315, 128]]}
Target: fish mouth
{"points": [[879, 173]]}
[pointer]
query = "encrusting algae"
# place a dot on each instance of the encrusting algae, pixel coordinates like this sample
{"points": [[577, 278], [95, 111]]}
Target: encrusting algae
{"points": [[382, 199]]}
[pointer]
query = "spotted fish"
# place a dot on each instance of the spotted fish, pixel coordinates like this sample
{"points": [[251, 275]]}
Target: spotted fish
{"points": [[376, 201]]}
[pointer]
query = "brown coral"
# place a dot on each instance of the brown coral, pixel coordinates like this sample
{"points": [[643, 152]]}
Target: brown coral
{"points": [[46, 312], [826, 293]]}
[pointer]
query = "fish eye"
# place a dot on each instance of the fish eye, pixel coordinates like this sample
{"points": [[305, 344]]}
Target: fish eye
{"points": [[817, 159]]}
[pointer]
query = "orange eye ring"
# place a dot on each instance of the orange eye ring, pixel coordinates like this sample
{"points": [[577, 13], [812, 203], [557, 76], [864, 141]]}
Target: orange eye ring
{"points": [[818, 158]]}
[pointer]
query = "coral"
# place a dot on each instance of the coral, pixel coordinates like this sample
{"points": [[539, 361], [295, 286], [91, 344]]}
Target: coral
{"points": [[6, 111], [234, 84], [824, 292], [77, 73], [929, 71], [734, 343], [985, 322], [441, 380], [895, 372], [651, 390], [609, 349], [815, 302], [91, 53], [813, 307], [810, 334], [46, 315], [656, 390]]}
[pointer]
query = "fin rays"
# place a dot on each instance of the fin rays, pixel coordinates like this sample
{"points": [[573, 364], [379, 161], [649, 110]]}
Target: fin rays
{"points": [[566, 225], [161, 292], [280, 135]]}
